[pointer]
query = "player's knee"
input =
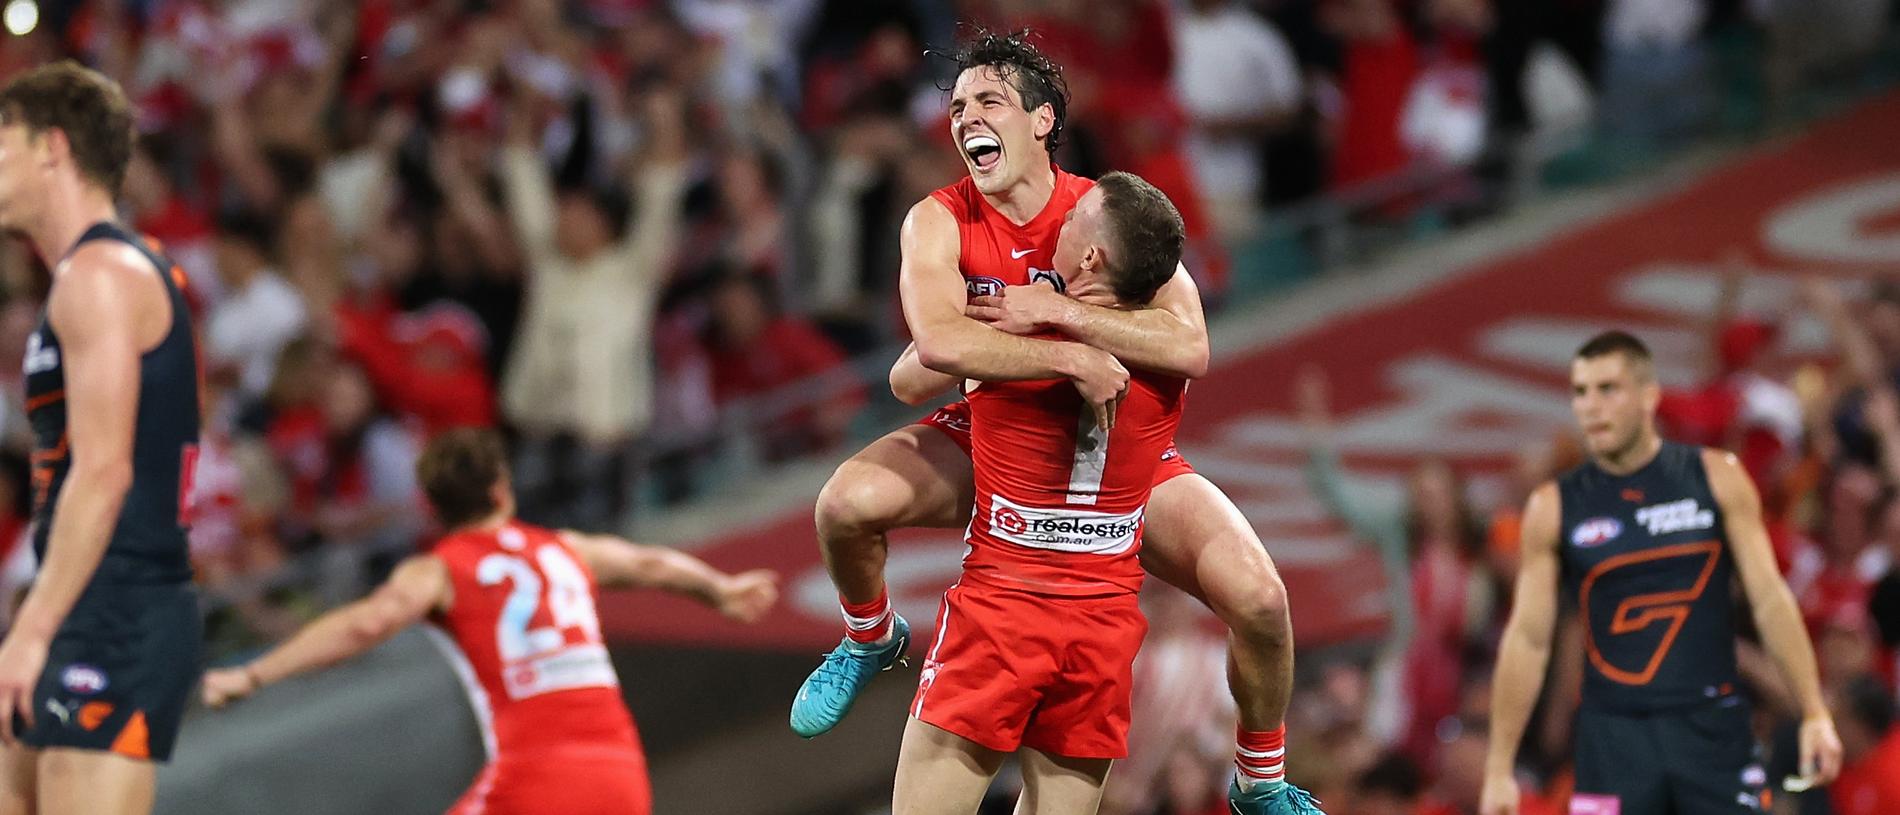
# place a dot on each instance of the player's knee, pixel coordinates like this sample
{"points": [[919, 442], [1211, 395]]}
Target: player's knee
{"points": [[1259, 612], [855, 503]]}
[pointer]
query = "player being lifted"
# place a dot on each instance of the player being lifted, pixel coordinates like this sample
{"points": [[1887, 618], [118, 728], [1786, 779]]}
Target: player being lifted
{"points": [[987, 237], [1647, 536], [1036, 641], [517, 601], [95, 673]]}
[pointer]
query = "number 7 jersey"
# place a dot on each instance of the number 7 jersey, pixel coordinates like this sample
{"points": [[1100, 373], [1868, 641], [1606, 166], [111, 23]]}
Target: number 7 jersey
{"points": [[1059, 500], [526, 643]]}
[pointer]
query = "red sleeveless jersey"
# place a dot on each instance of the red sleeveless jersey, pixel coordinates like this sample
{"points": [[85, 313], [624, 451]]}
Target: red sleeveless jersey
{"points": [[526, 643], [996, 253], [1059, 502]]}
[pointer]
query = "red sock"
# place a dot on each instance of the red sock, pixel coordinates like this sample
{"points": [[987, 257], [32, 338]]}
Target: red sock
{"points": [[1260, 756], [867, 622]]}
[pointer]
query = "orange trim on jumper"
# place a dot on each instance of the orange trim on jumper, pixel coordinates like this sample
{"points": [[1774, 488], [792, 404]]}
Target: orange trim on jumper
{"points": [[42, 470], [1637, 612], [44, 399], [134, 741]]}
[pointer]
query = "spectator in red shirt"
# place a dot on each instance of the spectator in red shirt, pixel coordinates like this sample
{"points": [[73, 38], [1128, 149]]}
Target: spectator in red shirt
{"points": [[755, 350], [1869, 783], [1381, 62], [351, 470], [428, 364]]}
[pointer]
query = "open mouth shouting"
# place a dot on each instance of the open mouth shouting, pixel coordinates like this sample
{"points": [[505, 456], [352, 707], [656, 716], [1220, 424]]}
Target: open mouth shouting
{"points": [[983, 150]]}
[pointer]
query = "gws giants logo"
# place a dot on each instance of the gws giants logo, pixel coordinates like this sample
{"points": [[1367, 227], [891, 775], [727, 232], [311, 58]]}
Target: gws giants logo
{"points": [[1596, 532], [1675, 516]]}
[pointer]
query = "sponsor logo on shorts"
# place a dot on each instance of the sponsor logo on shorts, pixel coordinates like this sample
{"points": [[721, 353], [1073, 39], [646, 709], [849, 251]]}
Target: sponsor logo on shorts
{"points": [[959, 423], [1754, 776], [39, 358], [83, 679], [1064, 530], [1596, 532], [1675, 516], [1584, 804]]}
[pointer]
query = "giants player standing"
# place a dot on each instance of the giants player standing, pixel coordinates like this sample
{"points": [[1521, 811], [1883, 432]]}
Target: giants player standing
{"points": [[977, 244], [518, 603]]}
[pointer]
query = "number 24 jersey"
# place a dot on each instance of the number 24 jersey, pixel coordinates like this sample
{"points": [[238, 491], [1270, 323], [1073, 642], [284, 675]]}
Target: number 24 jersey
{"points": [[527, 642]]}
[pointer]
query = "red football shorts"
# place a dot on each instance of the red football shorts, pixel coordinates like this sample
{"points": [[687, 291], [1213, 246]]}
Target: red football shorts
{"points": [[606, 782], [954, 420], [1011, 669]]}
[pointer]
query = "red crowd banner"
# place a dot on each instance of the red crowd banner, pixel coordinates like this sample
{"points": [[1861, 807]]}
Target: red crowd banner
{"points": [[1469, 369]]}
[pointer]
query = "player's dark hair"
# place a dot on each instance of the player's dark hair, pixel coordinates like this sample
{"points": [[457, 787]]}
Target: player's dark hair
{"points": [[1147, 236], [85, 105], [1616, 342], [1036, 77], [458, 472]]}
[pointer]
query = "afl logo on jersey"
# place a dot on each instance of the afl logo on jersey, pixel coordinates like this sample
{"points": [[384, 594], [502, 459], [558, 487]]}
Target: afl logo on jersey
{"points": [[38, 357], [981, 286], [1596, 532]]}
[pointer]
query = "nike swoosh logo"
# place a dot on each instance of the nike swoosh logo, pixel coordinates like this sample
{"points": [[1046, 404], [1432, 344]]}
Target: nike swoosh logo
{"points": [[1015, 254]]}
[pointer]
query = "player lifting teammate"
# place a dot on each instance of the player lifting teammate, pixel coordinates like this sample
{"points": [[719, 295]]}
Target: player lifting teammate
{"points": [[1647, 536], [987, 237], [517, 601], [95, 673], [1036, 642]]}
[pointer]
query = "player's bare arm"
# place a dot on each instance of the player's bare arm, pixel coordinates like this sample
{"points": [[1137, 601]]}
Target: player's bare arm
{"points": [[418, 586], [1168, 336], [620, 563], [914, 384], [1524, 652], [100, 307], [1775, 612], [950, 342]]}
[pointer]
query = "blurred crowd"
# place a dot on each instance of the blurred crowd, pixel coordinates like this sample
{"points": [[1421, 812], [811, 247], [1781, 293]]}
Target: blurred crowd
{"points": [[639, 233], [1401, 729]]}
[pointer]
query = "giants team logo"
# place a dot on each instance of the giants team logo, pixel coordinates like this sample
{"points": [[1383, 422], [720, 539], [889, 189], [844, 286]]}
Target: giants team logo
{"points": [[1595, 532], [982, 286], [1064, 530], [1675, 516]]}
